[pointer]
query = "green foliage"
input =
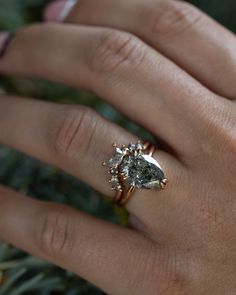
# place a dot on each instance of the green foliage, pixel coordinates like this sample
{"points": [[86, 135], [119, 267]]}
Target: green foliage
{"points": [[21, 273]]}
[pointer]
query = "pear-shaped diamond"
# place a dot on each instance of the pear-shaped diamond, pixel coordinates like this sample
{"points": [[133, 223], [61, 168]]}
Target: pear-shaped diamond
{"points": [[142, 171]]}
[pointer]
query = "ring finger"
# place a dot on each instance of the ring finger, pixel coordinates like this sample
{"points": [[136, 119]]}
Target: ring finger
{"points": [[77, 140]]}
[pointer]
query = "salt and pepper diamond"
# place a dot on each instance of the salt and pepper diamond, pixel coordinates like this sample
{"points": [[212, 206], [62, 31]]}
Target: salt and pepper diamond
{"points": [[132, 164], [142, 171]]}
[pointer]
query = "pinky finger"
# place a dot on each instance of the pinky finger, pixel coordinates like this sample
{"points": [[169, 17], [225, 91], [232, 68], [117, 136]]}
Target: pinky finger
{"points": [[105, 254]]}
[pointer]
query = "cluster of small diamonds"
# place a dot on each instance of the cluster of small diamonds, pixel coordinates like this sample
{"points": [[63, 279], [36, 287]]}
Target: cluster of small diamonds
{"points": [[114, 163]]}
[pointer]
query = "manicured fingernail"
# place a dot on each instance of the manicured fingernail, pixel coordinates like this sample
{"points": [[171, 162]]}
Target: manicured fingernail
{"points": [[58, 10], [5, 40]]}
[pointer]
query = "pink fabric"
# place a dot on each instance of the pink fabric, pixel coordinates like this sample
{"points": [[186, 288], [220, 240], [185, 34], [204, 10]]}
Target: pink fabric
{"points": [[3, 37], [53, 11]]}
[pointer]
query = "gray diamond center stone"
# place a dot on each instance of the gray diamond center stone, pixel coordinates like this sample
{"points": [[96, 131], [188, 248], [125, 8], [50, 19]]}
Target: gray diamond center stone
{"points": [[142, 171]]}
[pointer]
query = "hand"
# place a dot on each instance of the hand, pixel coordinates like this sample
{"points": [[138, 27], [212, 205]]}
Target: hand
{"points": [[179, 83]]}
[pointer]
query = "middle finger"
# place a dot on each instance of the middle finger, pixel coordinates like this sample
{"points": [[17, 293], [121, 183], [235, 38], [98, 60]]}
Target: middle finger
{"points": [[119, 67]]}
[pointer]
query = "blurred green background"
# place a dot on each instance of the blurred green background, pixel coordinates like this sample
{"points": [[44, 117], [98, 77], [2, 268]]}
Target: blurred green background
{"points": [[19, 272]]}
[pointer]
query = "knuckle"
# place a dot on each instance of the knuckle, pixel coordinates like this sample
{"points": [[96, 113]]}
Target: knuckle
{"points": [[173, 17], [159, 269], [55, 231], [229, 152], [116, 49], [224, 141], [229, 133], [218, 130], [230, 143], [75, 131], [164, 274]]}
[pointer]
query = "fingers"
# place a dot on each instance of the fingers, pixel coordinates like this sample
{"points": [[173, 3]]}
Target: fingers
{"points": [[120, 68], [92, 248], [74, 138], [177, 29], [78, 140]]}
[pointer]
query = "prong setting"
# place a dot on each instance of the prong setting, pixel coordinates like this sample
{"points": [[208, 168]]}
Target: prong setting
{"points": [[133, 165]]}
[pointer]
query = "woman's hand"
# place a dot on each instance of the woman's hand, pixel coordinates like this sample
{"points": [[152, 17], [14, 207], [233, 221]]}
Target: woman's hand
{"points": [[176, 78]]}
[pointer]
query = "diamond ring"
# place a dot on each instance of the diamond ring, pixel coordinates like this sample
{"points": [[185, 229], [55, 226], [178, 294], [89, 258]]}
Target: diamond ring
{"points": [[133, 167]]}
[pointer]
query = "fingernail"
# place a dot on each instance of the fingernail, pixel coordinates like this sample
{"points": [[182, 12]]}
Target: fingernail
{"points": [[58, 10], [5, 40]]}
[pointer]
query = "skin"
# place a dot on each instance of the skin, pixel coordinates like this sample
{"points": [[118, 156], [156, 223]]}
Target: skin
{"points": [[169, 68]]}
